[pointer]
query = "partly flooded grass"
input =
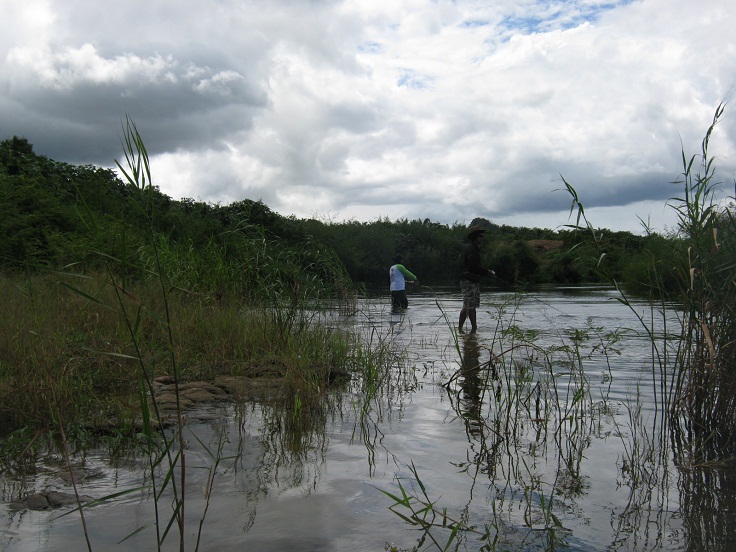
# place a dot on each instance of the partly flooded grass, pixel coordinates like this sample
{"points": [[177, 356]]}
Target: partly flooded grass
{"points": [[81, 374], [530, 435], [71, 352]]}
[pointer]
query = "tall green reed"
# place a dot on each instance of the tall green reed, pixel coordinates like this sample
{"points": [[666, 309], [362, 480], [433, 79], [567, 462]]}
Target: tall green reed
{"points": [[704, 383], [137, 172], [692, 370]]}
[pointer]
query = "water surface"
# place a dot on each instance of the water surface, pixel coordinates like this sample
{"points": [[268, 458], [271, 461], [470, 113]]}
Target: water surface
{"points": [[585, 473]]}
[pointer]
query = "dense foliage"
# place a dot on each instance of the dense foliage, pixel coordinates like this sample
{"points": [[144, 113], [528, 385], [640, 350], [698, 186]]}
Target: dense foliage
{"points": [[54, 214], [57, 215]]}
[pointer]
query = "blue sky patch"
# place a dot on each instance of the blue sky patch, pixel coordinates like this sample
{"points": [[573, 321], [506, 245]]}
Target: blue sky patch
{"points": [[557, 15], [473, 23], [370, 48], [411, 79]]}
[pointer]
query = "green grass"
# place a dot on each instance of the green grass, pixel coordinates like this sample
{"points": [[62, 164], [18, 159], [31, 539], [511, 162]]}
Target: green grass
{"points": [[86, 344], [73, 346]]}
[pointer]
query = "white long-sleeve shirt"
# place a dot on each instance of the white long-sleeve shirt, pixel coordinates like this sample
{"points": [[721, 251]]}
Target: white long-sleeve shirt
{"points": [[397, 275]]}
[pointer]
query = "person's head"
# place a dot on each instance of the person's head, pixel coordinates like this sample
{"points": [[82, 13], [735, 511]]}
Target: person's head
{"points": [[475, 232], [398, 259]]}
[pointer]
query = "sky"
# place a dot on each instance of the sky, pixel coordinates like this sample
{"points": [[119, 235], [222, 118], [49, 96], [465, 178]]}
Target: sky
{"points": [[401, 109]]}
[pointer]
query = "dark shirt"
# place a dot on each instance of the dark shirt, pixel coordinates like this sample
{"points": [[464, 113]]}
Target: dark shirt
{"points": [[471, 262]]}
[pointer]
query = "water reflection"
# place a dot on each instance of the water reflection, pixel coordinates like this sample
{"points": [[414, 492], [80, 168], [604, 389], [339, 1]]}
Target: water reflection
{"points": [[708, 508], [471, 385], [539, 431]]}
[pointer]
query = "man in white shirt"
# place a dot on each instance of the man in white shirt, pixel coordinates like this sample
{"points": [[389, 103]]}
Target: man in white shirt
{"points": [[398, 275]]}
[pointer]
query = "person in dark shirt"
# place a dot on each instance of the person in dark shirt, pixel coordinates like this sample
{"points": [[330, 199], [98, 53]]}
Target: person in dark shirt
{"points": [[470, 278]]}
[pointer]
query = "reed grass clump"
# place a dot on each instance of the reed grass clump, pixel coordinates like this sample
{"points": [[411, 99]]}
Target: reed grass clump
{"points": [[693, 369], [703, 409]]}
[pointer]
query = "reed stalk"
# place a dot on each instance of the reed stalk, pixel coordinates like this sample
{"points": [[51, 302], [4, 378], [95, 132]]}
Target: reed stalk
{"points": [[692, 372], [525, 407], [704, 409]]}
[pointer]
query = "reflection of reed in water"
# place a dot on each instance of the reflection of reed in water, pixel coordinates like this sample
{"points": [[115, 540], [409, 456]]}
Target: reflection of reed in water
{"points": [[707, 505], [653, 519], [295, 422], [529, 418], [284, 452], [294, 440]]}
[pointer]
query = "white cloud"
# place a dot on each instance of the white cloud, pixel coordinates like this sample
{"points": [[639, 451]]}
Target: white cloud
{"points": [[70, 67], [420, 109]]}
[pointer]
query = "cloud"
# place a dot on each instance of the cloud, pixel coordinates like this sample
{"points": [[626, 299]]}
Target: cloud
{"points": [[423, 109], [85, 96]]}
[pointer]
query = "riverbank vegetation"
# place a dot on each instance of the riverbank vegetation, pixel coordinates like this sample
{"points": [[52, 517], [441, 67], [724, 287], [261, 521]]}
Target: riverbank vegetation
{"points": [[211, 246], [104, 293], [109, 284]]}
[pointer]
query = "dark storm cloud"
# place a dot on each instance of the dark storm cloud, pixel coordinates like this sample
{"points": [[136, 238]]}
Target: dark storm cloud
{"points": [[76, 115]]}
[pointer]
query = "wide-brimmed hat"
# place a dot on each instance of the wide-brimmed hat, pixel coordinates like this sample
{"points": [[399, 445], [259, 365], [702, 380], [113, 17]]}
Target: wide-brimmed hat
{"points": [[475, 231]]}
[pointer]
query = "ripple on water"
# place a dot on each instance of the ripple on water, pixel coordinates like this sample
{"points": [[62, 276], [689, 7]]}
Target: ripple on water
{"points": [[326, 495]]}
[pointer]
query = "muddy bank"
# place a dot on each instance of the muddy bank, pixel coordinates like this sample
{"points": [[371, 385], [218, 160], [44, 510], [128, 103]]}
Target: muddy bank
{"points": [[222, 389], [47, 500]]}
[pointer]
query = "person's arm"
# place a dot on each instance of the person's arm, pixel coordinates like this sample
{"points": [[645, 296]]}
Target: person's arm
{"points": [[407, 274]]}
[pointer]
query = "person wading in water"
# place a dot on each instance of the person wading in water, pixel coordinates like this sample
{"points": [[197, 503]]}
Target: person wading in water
{"points": [[398, 275], [470, 278]]}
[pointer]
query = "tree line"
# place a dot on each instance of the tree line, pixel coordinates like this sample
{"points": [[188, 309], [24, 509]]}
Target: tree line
{"points": [[54, 214]]}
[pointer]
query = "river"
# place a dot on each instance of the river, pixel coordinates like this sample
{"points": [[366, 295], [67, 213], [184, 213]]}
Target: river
{"points": [[540, 432]]}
